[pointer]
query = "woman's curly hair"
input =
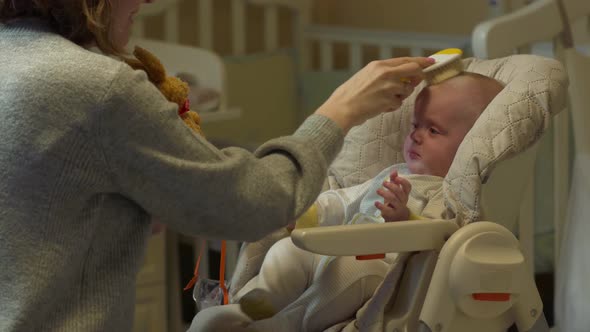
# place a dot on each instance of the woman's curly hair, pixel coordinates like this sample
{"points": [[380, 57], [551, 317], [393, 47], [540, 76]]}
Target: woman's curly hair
{"points": [[84, 22]]}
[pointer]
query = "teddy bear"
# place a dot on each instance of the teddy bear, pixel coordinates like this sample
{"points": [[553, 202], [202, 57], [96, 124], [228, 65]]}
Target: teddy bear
{"points": [[173, 88]]}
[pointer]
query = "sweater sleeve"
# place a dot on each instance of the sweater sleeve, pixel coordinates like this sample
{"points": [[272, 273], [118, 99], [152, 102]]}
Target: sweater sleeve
{"points": [[176, 175]]}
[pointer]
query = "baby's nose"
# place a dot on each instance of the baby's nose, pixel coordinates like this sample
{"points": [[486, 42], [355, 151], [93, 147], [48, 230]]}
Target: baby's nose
{"points": [[415, 135]]}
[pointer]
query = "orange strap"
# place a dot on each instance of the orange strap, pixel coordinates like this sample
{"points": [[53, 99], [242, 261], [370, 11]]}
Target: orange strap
{"points": [[491, 297], [193, 281], [368, 257], [195, 277], [222, 273]]}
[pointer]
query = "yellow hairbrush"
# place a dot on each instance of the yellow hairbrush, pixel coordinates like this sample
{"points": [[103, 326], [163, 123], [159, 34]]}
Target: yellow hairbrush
{"points": [[447, 64]]}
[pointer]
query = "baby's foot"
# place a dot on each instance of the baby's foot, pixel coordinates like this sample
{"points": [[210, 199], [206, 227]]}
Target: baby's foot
{"points": [[257, 304]]}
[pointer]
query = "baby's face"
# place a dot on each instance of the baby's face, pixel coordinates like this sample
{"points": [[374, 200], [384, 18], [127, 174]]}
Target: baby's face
{"points": [[441, 121]]}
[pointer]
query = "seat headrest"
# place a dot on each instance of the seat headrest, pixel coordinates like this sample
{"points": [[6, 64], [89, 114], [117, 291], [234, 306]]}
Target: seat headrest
{"points": [[535, 89]]}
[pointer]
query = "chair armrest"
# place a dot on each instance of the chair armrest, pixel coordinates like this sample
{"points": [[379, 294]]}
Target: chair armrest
{"points": [[367, 239]]}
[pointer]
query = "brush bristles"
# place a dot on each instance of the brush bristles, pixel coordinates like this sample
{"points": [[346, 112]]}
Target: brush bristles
{"points": [[443, 73]]}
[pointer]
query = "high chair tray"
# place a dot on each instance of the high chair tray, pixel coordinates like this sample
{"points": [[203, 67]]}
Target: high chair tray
{"points": [[367, 239]]}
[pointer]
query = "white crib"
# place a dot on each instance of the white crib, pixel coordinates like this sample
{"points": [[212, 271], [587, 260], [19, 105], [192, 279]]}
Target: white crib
{"points": [[307, 56]]}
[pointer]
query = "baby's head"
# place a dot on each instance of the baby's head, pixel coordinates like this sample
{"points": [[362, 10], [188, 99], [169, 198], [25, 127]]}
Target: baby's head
{"points": [[443, 114]]}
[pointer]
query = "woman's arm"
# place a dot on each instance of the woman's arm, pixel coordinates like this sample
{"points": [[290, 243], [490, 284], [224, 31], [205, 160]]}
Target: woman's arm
{"points": [[158, 162], [176, 175]]}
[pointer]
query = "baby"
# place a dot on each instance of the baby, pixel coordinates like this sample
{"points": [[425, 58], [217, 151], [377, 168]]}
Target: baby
{"points": [[303, 291]]}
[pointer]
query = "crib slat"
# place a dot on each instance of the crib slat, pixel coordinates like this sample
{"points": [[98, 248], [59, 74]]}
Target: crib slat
{"points": [[301, 39], [385, 51], [326, 56], [416, 51], [202, 248], [171, 24], [526, 221], [561, 175], [271, 28], [206, 24], [356, 58], [300, 43], [238, 9], [232, 253]]}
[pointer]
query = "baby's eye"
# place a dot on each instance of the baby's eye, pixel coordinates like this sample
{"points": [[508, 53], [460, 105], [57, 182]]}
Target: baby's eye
{"points": [[414, 126], [434, 131]]}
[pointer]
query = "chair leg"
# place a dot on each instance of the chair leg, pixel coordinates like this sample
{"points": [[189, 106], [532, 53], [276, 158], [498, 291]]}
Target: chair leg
{"points": [[173, 287]]}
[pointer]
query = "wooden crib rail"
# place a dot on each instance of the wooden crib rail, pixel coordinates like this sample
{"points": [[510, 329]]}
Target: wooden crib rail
{"points": [[313, 45], [206, 16], [417, 44]]}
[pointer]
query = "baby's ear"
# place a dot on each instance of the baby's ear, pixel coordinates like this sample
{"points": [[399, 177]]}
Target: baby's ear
{"points": [[152, 65]]}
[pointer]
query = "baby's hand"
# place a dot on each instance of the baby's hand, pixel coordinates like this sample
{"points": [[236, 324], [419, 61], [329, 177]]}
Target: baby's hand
{"points": [[395, 193]]}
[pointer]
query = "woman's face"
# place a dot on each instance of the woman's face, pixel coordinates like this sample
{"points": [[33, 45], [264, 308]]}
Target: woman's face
{"points": [[122, 19]]}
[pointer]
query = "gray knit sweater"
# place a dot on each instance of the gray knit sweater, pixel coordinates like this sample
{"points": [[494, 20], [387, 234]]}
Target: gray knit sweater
{"points": [[89, 149]]}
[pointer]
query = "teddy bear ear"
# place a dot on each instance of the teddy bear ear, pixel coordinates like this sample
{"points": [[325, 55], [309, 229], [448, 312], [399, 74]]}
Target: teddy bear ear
{"points": [[135, 64], [151, 64]]}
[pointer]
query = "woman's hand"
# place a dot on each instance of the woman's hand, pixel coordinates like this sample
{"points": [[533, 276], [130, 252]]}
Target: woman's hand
{"points": [[379, 87], [395, 193]]}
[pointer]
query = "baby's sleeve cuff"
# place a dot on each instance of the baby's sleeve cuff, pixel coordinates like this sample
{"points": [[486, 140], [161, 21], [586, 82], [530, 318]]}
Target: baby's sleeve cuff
{"points": [[414, 216], [309, 218]]}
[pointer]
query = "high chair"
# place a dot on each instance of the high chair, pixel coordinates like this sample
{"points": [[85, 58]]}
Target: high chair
{"points": [[456, 274], [468, 276]]}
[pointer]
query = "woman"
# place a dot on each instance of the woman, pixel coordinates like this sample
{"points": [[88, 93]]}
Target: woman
{"points": [[90, 150]]}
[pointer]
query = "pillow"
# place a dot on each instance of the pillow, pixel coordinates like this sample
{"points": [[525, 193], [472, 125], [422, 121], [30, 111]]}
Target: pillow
{"points": [[535, 89]]}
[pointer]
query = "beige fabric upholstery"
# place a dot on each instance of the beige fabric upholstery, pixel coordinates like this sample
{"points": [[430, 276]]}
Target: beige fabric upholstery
{"points": [[514, 120]]}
